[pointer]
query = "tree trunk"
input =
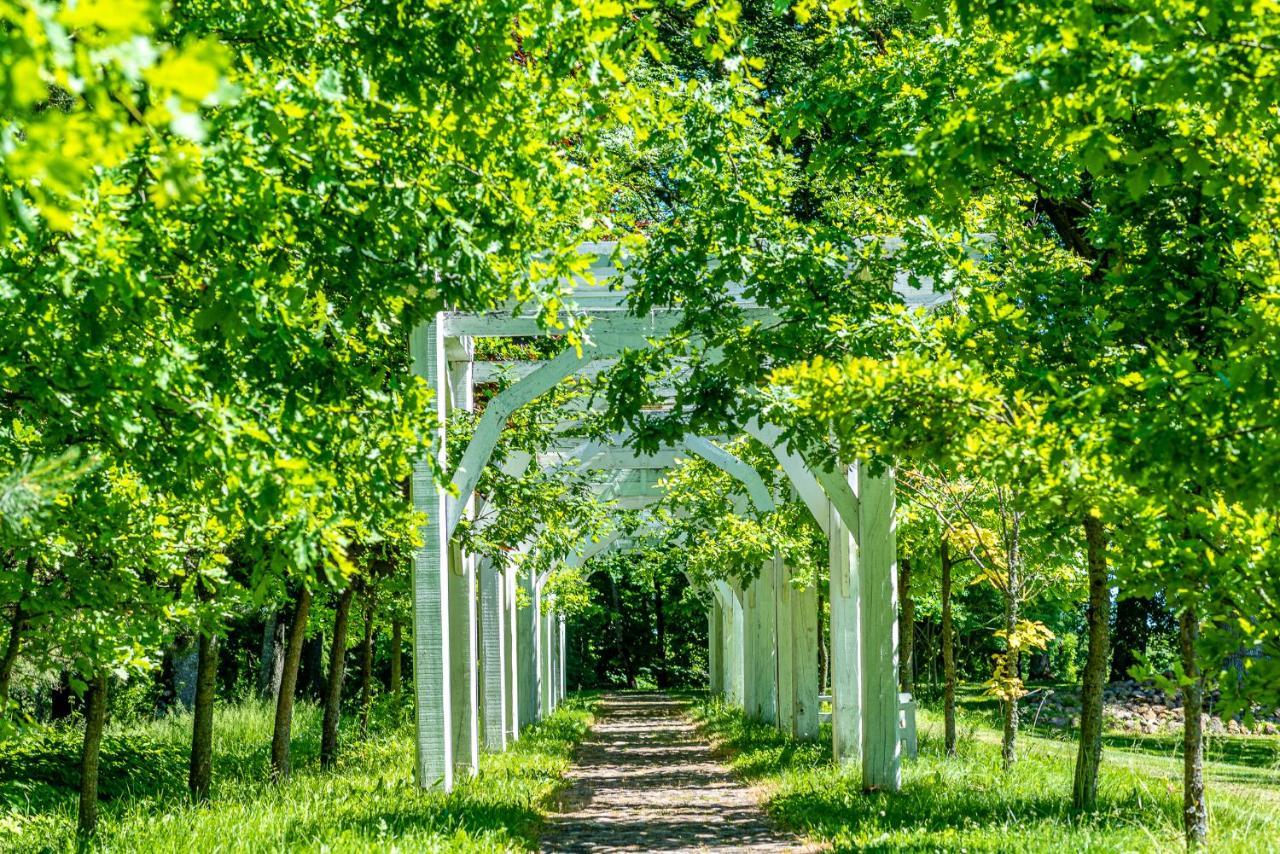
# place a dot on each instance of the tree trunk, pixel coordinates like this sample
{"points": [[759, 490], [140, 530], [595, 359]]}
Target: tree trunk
{"points": [[333, 688], [906, 628], [288, 687], [1084, 793], [661, 622], [1195, 815], [16, 628], [11, 654], [619, 643], [274, 636], [948, 656], [822, 643], [1012, 662], [366, 659], [397, 643], [95, 715], [200, 772]]}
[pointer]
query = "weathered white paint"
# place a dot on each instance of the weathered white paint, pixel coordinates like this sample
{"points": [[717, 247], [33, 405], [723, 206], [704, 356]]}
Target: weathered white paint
{"points": [[715, 646], [796, 470], [515, 652], [846, 648], [431, 658], [761, 665], [878, 574], [527, 634], [493, 654]]}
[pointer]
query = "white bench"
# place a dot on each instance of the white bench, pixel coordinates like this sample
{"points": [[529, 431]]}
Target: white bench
{"points": [[906, 721]]}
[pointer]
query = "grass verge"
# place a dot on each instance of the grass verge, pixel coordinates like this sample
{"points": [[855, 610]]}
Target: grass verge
{"points": [[368, 803], [968, 803]]}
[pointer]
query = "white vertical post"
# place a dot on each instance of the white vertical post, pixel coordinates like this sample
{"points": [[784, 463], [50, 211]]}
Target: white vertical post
{"points": [[804, 632], [760, 668], [463, 617], [734, 645], [431, 658], [878, 574], [527, 619], [715, 647], [514, 653], [493, 655], [846, 651], [546, 671], [785, 661]]}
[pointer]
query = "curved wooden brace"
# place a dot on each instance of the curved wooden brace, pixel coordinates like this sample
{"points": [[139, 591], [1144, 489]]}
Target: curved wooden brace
{"points": [[731, 465], [813, 487]]}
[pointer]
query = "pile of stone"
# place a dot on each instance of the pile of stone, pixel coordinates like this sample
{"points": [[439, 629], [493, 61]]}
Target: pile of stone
{"points": [[1135, 707]]}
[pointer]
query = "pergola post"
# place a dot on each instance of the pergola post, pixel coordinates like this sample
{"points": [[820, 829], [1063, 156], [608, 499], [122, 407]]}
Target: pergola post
{"points": [[516, 650], [546, 654], [463, 669], [846, 650], [527, 641], [562, 682], [734, 646], [878, 576], [493, 655], [762, 687], [431, 655], [797, 656], [715, 646]]}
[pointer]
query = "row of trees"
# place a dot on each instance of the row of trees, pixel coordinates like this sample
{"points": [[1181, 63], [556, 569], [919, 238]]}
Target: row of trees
{"points": [[1095, 187], [219, 224]]}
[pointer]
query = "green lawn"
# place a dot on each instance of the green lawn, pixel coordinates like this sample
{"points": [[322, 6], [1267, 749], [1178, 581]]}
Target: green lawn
{"points": [[368, 803], [968, 803]]}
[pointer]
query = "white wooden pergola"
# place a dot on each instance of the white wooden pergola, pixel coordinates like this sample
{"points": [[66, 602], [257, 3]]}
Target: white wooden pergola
{"points": [[485, 667]]}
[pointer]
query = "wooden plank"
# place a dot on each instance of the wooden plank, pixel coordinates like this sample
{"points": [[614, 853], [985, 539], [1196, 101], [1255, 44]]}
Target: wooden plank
{"points": [[431, 657], [878, 575], [527, 659], [464, 670], [795, 468], [761, 688], [514, 653], [784, 661], [846, 651], [715, 646], [493, 654]]}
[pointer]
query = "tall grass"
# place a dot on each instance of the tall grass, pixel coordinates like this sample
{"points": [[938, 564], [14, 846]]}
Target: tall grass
{"points": [[968, 803], [368, 803]]}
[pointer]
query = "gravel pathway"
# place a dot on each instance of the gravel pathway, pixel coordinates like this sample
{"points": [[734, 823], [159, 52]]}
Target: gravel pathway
{"points": [[644, 780]]}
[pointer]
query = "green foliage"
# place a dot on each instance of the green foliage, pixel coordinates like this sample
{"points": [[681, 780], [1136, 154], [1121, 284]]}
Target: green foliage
{"points": [[967, 802], [370, 803]]}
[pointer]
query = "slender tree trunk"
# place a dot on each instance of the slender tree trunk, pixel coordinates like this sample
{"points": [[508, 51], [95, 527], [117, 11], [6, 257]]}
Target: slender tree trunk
{"points": [[906, 628], [274, 637], [333, 688], [11, 650], [366, 659], [95, 715], [822, 643], [661, 621], [288, 687], [619, 643], [948, 656], [397, 642], [200, 773], [1084, 793], [1012, 663], [1195, 815]]}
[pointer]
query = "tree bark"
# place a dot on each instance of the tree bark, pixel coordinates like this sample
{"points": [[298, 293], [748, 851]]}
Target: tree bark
{"points": [[333, 688], [366, 659], [274, 636], [1084, 792], [1195, 815], [397, 643], [822, 643], [906, 628], [95, 715], [288, 687], [661, 622], [1012, 662], [200, 773], [11, 654], [16, 628], [948, 656]]}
